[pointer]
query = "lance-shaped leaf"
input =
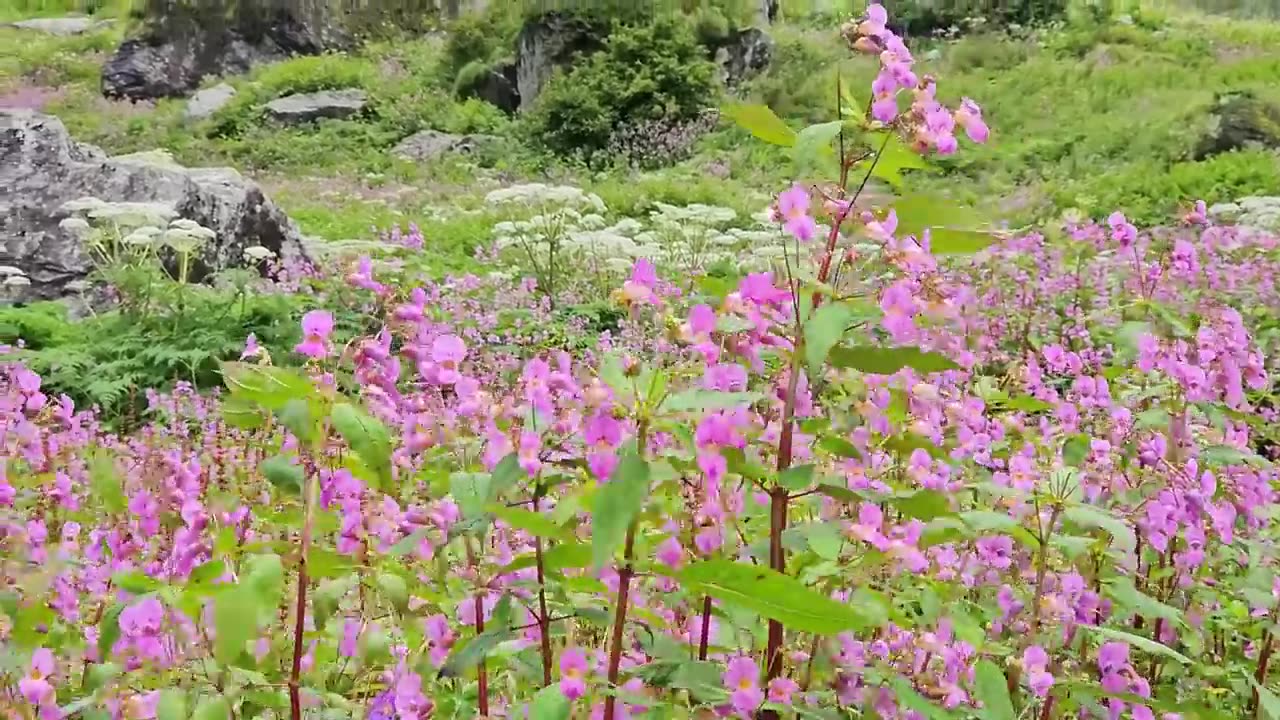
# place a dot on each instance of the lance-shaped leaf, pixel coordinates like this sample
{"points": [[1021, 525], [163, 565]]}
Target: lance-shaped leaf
{"points": [[616, 505], [368, 438], [761, 122], [993, 690], [266, 386], [823, 331], [772, 595], [281, 472], [471, 652], [878, 360]]}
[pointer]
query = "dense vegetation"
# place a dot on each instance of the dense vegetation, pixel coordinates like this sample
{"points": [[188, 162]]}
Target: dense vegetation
{"points": [[811, 436]]}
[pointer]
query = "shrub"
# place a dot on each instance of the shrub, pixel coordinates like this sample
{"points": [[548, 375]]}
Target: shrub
{"points": [[478, 37], [645, 73], [928, 17]]}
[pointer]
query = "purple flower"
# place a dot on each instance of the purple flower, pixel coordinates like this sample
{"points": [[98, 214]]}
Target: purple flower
{"points": [[741, 677], [35, 687], [1113, 657], [316, 328], [969, 116], [603, 434], [573, 673], [781, 689], [670, 553], [447, 351], [793, 211], [1122, 231]]}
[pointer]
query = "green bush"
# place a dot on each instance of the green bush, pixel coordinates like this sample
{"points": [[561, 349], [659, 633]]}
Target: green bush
{"points": [[645, 72], [478, 38], [926, 17]]}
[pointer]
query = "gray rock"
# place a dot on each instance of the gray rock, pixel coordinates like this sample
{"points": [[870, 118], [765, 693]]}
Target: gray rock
{"points": [[498, 87], [432, 144], [175, 54], [547, 42], [42, 168], [209, 101], [64, 26], [1224, 212], [746, 53], [1240, 121], [307, 107]]}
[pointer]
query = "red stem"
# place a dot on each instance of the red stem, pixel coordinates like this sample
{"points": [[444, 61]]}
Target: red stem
{"points": [[481, 672], [544, 619], [620, 620], [300, 609], [706, 628]]}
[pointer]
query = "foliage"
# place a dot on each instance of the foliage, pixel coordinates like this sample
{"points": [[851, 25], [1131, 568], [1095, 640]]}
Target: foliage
{"points": [[646, 72]]}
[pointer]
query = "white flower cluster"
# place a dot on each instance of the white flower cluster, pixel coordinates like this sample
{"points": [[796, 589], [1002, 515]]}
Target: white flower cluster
{"points": [[137, 225], [569, 226], [547, 195]]}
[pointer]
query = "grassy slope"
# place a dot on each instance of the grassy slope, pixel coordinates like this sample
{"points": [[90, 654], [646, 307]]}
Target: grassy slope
{"points": [[1094, 116]]}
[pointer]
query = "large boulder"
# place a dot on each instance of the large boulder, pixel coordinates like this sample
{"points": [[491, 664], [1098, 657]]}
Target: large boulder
{"points": [[431, 145], [42, 168], [309, 107], [209, 101], [174, 54], [743, 54], [1239, 121], [547, 42]]}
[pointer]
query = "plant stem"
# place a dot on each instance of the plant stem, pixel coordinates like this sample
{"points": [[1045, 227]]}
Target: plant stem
{"points": [[1042, 567], [482, 675], [300, 610], [706, 628], [625, 573], [1264, 659], [544, 620]]}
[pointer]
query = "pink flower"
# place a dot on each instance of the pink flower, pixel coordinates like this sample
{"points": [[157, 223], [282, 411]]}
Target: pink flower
{"points": [[35, 687], [530, 446], [447, 351], [969, 117], [251, 347], [1122, 231], [603, 434], [741, 677], [640, 287], [670, 553], [780, 690], [573, 673], [793, 209], [885, 109], [317, 325]]}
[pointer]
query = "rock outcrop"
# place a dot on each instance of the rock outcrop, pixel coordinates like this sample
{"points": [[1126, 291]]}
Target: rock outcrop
{"points": [[209, 101], [42, 168], [432, 144], [309, 107], [63, 26], [547, 42], [1240, 121], [174, 54], [744, 54]]}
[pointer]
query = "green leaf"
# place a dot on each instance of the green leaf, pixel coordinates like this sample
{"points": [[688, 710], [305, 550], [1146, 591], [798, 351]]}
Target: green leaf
{"points": [[281, 472], [172, 705], [549, 704], [394, 589], [704, 400], [471, 492], [1089, 516], [892, 160], [1267, 699], [242, 413], [470, 653], [235, 619], [367, 436], [924, 505], [108, 629], [266, 386], [296, 415], [616, 504], [105, 482], [505, 475], [1229, 455], [527, 520], [263, 575], [796, 477], [823, 331], [1075, 450], [212, 708], [1122, 590], [912, 700], [992, 690], [326, 598], [814, 140], [954, 241], [1140, 642], [761, 122], [772, 595], [889, 360], [135, 582]]}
